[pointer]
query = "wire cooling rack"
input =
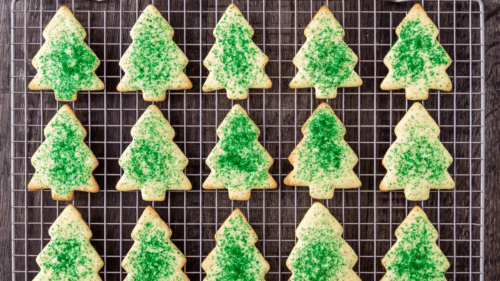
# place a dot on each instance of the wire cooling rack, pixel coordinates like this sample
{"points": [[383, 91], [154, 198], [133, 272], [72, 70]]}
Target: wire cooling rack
{"points": [[369, 216]]}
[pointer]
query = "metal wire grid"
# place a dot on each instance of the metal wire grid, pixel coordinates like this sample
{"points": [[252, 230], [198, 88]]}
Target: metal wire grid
{"points": [[369, 216]]}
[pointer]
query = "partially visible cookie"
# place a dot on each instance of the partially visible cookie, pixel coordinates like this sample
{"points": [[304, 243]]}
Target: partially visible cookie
{"points": [[417, 161], [153, 255], [235, 257], [239, 163], [415, 255], [321, 253], [69, 254], [235, 62], [323, 160], [63, 162], [417, 62], [153, 163], [153, 63], [65, 63], [325, 62]]}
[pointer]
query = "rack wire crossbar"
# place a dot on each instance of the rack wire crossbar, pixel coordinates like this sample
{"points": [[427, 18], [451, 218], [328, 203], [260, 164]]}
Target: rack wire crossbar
{"points": [[369, 216]]}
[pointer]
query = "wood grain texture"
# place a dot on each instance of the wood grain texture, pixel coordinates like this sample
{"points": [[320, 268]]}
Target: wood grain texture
{"points": [[492, 58]]}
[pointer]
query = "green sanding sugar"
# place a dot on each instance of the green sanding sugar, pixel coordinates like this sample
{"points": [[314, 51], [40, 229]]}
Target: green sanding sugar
{"points": [[416, 256], [237, 58], [67, 259], [322, 153], [62, 159], [236, 258], [417, 53], [155, 258], [239, 160], [329, 62], [153, 60], [67, 65]]}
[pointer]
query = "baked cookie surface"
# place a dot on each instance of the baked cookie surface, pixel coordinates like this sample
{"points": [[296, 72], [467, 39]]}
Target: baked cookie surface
{"points": [[417, 161], [153, 163], [153, 63], [153, 256], [321, 254], [239, 163], [325, 62], [415, 255], [69, 254], [63, 162], [235, 257], [65, 63], [417, 62], [235, 62], [323, 160]]}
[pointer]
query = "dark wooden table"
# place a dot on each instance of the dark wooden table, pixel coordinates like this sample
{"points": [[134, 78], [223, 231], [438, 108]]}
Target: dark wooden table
{"points": [[492, 226]]}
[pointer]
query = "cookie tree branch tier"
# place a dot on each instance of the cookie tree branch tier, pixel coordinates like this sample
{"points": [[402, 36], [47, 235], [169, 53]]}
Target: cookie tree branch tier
{"points": [[63, 162], [325, 62], [153, 255], [323, 160], [321, 253], [69, 254], [235, 257], [415, 255], [235, 62], [65, 63], [153, 63], [153, 163], [239, 163], [417, 161], [417, 62]]}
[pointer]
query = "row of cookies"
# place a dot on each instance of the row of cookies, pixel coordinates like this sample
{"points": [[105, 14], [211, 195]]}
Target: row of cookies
{"points": [[154, 63], [320, 253], [416, 162]]}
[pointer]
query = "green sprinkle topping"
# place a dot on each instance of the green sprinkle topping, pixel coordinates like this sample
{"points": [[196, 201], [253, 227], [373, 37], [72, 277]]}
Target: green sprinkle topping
{"points": [[238, 160], [153, 63], [236, 257], [154, 256], [416, 256], [64, 162]]}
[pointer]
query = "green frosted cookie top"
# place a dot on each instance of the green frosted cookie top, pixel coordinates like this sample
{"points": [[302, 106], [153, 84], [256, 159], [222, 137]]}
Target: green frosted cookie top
{"points": [[237, 58], [236, 258], [328, 61], [416, 255], [239, 160], [323, 150], [153, 61], [419, 158], [63, 158], [67, 64], [417, 53], [155, 256]]}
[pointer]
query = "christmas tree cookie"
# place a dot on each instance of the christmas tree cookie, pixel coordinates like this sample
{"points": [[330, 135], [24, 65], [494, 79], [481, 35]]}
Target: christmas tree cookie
{"points": [[65, 63], [417, 161], [153, 256], [153, 163], [63, 162], [153, 63], [415, 255], [239, 163], [325, 62], [69, 254], [235, 257], [417, 62], [323, 160], [235, 62], [321, 253]]}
